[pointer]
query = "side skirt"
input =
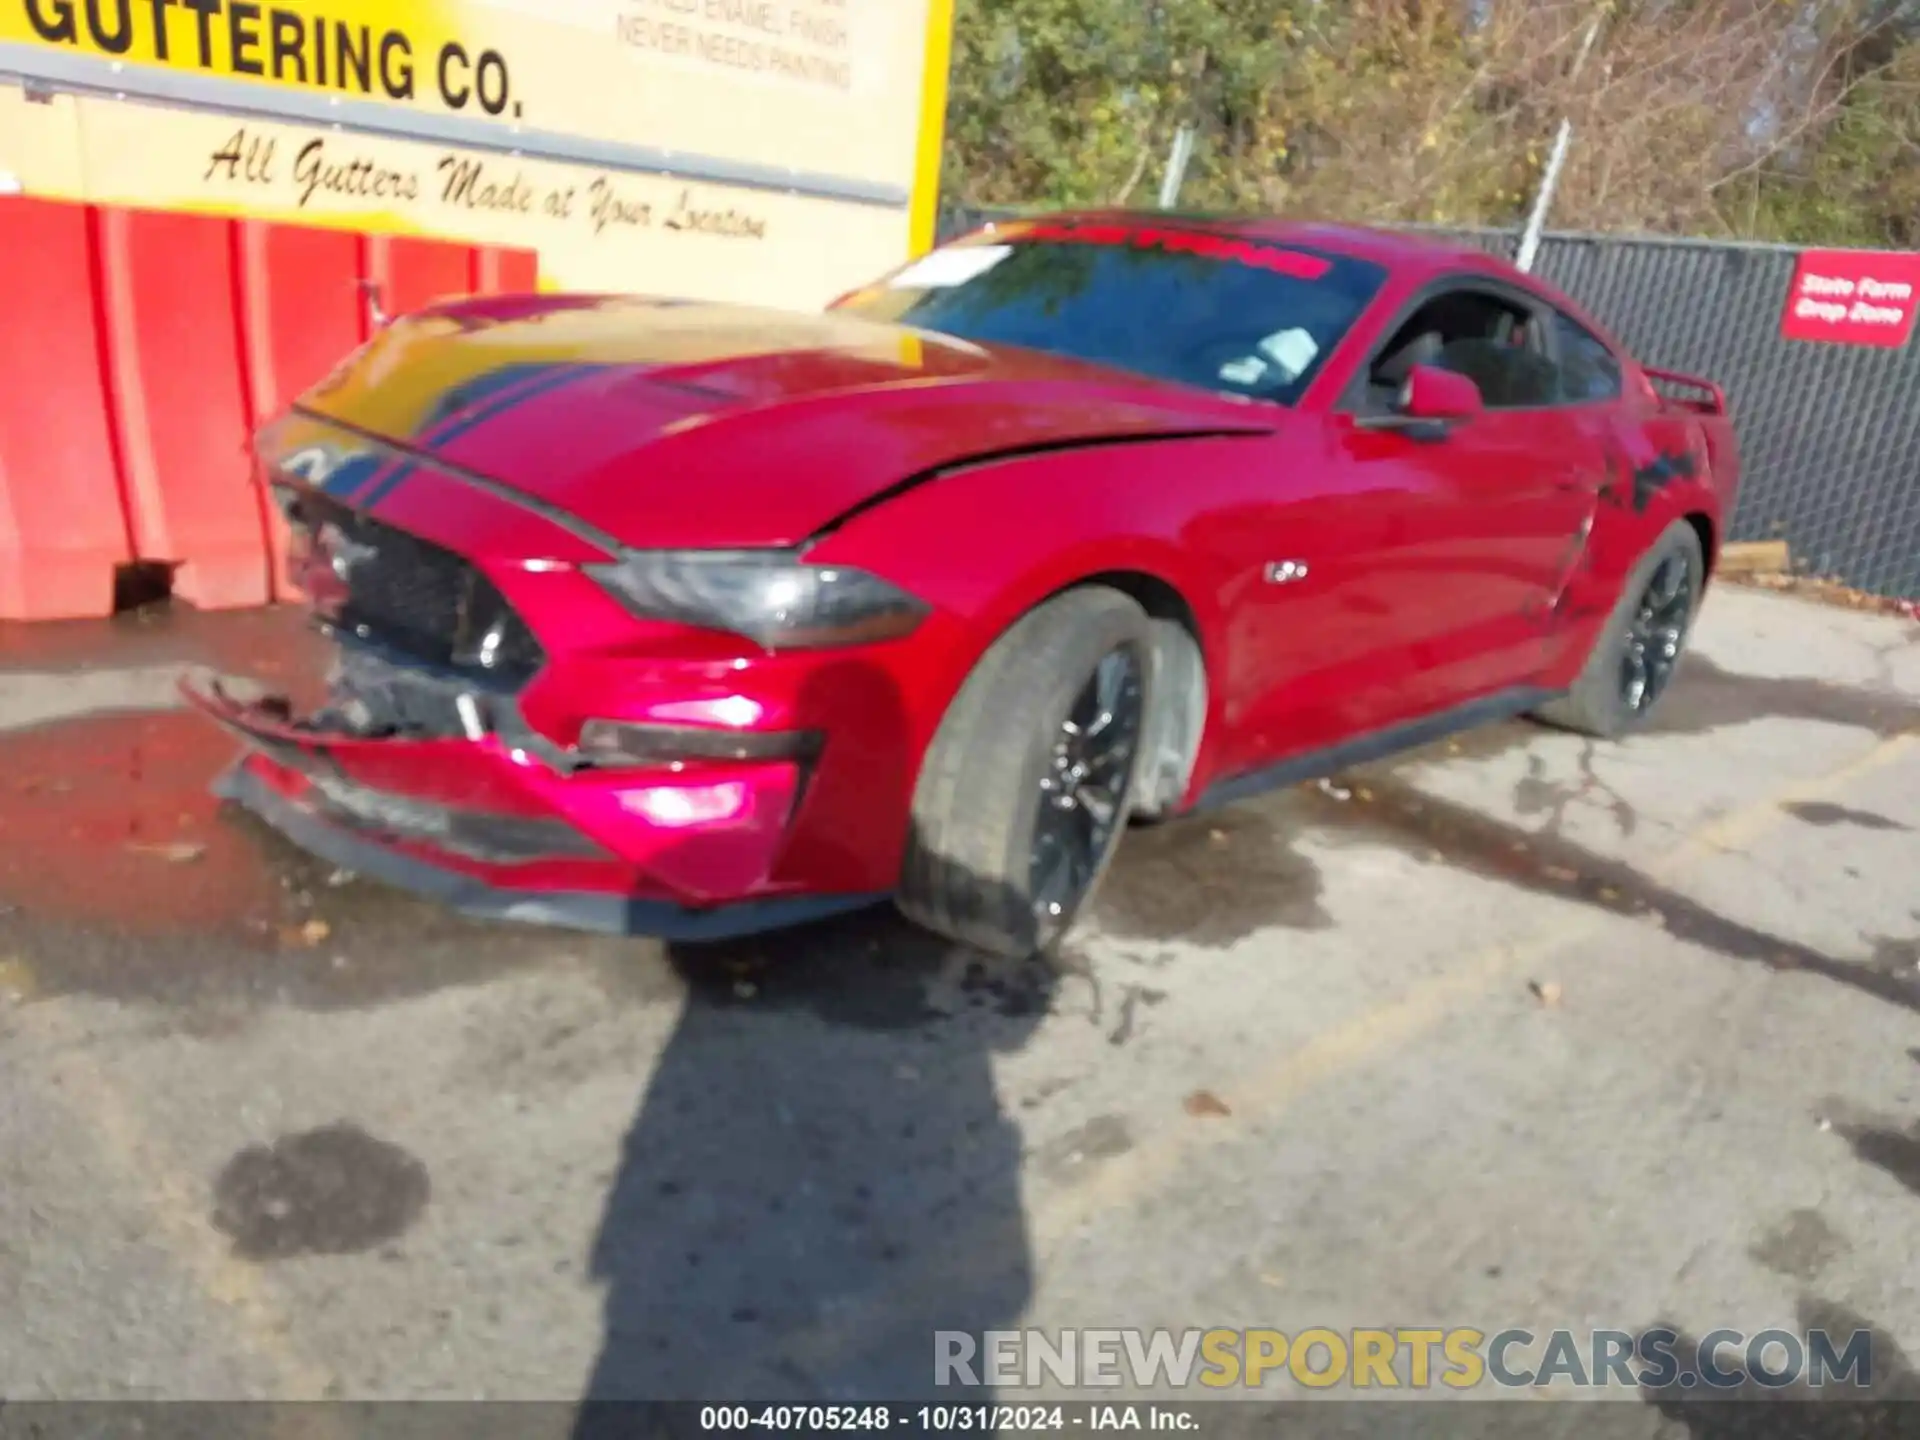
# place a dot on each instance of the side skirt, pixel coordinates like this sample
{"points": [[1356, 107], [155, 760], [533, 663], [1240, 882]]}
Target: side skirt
{"points": [[1375, 745]]}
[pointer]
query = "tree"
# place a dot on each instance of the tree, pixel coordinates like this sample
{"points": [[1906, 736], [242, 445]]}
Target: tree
{"points": [[1760, 117], [1855, 178]]}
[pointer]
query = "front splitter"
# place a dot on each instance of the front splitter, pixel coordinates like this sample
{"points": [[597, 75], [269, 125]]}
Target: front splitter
{"points": [[568, 910]]}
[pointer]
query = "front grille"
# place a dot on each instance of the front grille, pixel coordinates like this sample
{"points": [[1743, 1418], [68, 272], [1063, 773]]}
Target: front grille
{"points": [[407, 595]]}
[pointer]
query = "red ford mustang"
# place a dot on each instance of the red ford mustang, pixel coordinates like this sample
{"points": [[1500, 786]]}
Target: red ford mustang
{"points": [[696, 620]]}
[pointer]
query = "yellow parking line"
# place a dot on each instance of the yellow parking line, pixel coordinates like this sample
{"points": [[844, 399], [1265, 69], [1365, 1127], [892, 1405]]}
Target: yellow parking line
{"points": [[1742, 826], [1125, 1179]]}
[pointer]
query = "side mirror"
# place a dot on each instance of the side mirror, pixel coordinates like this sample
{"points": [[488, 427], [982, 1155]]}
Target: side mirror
{"points": [[1433, 394], [1430, 403]]}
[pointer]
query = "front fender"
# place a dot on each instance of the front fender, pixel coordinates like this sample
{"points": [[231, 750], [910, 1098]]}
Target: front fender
{"points": [[986, 544]]}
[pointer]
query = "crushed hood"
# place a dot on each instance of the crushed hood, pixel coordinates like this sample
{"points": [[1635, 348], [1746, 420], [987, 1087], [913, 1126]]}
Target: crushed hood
{"points": [[666, 424]]}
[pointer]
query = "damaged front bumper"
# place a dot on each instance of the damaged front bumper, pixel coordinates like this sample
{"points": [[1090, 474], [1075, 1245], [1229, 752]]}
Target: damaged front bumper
{"points": [[425, 783]]}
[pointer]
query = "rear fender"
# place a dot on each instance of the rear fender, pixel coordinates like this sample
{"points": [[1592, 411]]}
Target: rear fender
{"points": [[1660, 471]]}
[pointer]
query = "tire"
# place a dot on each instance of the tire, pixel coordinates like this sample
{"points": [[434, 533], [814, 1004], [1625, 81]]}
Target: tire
{"points": [[1601, 701], [974, 869]]}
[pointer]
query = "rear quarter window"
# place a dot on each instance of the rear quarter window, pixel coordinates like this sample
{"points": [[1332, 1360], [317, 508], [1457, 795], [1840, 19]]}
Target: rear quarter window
{"points": [[1588, 370]]}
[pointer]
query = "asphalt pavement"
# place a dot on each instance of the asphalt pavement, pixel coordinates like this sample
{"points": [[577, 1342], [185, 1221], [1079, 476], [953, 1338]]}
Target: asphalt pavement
{"points": [[1521, 1030]]}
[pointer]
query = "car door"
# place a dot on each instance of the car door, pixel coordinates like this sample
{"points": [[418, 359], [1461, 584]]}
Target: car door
{"points": [[1500, 502], [1316, 645]]}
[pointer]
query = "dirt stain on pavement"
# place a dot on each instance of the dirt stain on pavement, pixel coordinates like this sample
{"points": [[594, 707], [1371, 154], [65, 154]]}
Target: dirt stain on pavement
{"points": [[1706, 697], [122, 877], [1536, 795], [1825, 815], [1886, 1145], [1800, 1246], [1549, 864], [869, 971], [105, 813], [1213, 880], [1218, 879], [1132, 998], [1073, 1154], [252, 921], [1385, 806], [333, 1191], [108, 818]]}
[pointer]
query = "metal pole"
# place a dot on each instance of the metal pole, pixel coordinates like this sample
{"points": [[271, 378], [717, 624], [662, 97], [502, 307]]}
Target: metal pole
{"points": [[1550, 178], [1177, 160], [1537, 220]]}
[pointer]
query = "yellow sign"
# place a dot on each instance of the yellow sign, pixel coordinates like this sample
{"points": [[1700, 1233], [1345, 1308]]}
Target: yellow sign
{"points": [[779, 150]]}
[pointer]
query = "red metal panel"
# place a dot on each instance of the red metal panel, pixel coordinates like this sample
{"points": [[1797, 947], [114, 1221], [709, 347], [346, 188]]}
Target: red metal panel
{"points": [[169, 294], [412, 272], [63, 527], [301, 313]]}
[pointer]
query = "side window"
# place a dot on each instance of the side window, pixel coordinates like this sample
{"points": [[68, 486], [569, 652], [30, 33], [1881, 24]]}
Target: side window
{"points": [[1485, 337], [1588, 370]]}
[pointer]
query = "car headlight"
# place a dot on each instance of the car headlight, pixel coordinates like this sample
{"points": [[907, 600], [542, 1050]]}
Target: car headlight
{"points": [[771, 597]]}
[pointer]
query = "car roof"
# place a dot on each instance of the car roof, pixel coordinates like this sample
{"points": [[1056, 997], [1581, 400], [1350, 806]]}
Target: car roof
{"points": [[1398, 250]]}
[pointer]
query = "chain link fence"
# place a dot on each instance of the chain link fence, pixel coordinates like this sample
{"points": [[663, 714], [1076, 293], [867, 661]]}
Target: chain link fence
{"points": [[1829, 434]]}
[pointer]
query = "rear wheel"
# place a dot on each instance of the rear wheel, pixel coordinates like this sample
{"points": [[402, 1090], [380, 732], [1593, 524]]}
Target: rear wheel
{"points": [[1637, 652], [1026, 788]]}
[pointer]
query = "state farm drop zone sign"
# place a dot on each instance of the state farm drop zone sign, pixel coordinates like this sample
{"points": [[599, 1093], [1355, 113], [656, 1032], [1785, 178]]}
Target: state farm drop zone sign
{"points": [[1853, 297]]}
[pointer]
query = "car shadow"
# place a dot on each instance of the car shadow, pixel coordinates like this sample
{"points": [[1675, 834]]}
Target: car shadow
{"points": [[821, 1125]]}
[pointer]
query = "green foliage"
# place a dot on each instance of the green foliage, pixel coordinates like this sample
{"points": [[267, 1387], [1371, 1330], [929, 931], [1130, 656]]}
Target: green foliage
{"points": [[1860, 184], [1443, 110], [1077, 101]]}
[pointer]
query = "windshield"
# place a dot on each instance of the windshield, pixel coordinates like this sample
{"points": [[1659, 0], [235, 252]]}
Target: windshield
{"points": [[1235, 316]]}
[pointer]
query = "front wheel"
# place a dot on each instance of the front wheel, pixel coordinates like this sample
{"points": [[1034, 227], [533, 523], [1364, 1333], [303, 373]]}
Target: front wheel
{"points": [[1634, 658], [1025, 791]]}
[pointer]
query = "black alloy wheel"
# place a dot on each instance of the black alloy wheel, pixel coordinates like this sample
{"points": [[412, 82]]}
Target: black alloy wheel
{"points": [[1654, 637], [1636, 653], [1025, 791], [1083, 789]]}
